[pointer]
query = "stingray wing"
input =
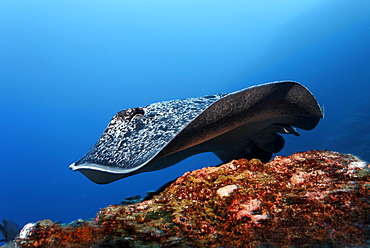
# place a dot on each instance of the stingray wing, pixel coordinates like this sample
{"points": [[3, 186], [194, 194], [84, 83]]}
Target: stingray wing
{"points": [[161, 134], [245, 124], [135, 136]]}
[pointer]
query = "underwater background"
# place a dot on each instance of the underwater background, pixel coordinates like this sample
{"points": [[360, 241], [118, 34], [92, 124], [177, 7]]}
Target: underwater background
{"points": [[67, 67]]}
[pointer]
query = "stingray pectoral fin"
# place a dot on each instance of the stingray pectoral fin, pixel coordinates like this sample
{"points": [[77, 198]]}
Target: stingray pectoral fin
{"points": [[269, 140], [97, 176], [100, 177], [260, 145], [242, 149], [286, 130]]}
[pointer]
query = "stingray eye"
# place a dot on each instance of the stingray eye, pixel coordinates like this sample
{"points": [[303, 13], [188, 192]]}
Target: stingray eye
{"points": [[122, 113], [130, 113], [137, 113], [133, 113]]}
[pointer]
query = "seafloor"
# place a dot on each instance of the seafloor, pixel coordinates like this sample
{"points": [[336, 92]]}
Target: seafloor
{"points": [[308, 199]]}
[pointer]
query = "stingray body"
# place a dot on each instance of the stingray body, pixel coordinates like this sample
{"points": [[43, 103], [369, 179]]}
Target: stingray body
{"points": [[243, 124]]}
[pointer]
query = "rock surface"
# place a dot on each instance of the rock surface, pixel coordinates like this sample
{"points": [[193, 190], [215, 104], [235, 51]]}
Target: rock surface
{"points": [[314, 198]]}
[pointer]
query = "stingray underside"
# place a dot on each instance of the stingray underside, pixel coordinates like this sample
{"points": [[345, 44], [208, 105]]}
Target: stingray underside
{"points": [[241, 124]]}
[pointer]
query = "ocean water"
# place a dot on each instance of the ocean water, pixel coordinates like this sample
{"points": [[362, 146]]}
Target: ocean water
{"points": [[67, 67]]}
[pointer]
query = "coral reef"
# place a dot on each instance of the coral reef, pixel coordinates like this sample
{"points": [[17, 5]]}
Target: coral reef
{"points": [[314, 198]]}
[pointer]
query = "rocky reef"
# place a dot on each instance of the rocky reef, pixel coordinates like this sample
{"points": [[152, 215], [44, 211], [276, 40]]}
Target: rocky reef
{"points": [[308, 199]]}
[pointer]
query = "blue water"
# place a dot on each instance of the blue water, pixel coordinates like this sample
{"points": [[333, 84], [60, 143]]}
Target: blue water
{"points": [[66, 67]]}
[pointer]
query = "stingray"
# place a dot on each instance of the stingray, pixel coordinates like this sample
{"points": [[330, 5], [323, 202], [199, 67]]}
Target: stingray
{"points": [[9, 230], [243, 124]]}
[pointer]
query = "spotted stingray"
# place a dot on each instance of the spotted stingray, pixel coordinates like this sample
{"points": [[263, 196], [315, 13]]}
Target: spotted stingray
{"points": [[243, 124]]}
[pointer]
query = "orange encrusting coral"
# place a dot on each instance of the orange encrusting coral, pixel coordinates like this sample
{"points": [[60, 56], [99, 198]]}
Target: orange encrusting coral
{"points": [[48, 234], [310, 198]]}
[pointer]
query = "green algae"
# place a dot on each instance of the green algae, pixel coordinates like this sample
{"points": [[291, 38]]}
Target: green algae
{"points": [[164, 215], [362, 174], [225, 180]]}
